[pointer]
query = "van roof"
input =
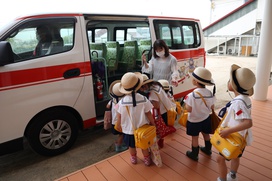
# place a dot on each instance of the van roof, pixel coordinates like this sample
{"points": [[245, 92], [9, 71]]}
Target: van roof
{"points": [[44, 15]]}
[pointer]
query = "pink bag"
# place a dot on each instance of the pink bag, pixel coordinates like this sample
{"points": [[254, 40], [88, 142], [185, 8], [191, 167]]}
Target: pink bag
{"points": [[162, 129], [107, 120]]}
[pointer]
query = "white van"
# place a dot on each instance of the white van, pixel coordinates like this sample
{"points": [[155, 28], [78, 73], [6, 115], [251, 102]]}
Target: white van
{"points": [[50, 89]]}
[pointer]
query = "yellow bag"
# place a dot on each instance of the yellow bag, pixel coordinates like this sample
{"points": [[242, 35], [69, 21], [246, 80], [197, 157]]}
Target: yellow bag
{"points": [[171, 116], [183, 118], [145, 136], [231, 147], [116, 128], [179, 108]]}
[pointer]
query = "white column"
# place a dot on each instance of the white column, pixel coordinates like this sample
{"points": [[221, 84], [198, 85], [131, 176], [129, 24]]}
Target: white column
{"points": [[264, 55], [217, 45], [226, 40], [239, 46], [234, 53]]}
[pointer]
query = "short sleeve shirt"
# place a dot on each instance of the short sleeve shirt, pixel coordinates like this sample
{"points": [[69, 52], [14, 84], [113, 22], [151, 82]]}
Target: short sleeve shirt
{"points": [[239, 109], [158, 94], [199, 111], [136, 116]]}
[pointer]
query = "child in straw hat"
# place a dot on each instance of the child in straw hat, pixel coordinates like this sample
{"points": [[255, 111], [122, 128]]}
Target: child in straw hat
{"points": [[198, 117], [137, 114], [160, 101], [238, 118], [146, 90], [116, 95], [168, 90]]}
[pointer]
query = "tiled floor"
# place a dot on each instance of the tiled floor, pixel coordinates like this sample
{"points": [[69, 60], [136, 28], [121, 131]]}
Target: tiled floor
{"points": [[256, 163]]}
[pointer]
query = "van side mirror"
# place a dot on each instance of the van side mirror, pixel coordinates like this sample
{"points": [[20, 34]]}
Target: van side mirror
{"points": [[6, 53]]}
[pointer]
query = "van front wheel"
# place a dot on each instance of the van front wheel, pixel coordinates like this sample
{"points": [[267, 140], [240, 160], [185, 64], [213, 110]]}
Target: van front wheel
{"points": [[53, 132]]}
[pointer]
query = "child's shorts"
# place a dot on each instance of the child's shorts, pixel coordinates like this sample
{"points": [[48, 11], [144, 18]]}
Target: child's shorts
{"points": [[193, 129], [114, 131], [129, 140]]}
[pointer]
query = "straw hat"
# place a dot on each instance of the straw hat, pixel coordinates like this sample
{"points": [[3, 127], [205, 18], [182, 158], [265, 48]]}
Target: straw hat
{"points": [[114, 88], [242, 80], [164, 83], [203, 76], [131, 82], [146, 80]]}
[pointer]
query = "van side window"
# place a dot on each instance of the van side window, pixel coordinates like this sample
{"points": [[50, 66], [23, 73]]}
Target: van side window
{"points": [[98, 35], [197, 34], [131, 33], [120, 35], [188, 35], [117, 45], [164, 31], [41, 38], [178, 34]]}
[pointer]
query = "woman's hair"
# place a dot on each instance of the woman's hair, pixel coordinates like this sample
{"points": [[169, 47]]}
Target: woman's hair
{"points": [[158, 44], [45, 30]]}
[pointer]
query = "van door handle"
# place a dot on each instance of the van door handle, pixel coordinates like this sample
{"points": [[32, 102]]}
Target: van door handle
{"points": [[71, 73]]}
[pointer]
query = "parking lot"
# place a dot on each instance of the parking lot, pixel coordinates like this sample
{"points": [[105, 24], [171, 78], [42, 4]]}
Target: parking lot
{"points": [[96, 144]]}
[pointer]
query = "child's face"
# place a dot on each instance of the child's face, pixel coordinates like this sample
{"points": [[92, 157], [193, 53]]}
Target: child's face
{"points": [[194, 82], [229, 86], [144, 88]]}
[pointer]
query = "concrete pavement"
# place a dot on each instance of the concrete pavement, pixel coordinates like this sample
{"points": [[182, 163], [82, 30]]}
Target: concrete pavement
{"points": [[220, 67]]}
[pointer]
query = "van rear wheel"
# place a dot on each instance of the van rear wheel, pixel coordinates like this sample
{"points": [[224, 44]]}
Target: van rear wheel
{"points": [[53, 132]]}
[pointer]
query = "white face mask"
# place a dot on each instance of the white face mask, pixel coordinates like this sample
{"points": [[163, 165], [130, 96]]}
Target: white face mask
{"points": [[160, 54]]}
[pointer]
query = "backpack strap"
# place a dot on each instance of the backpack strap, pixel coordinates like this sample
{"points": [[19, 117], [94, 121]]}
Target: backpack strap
{"points": [[202, 98], [161, 101]]}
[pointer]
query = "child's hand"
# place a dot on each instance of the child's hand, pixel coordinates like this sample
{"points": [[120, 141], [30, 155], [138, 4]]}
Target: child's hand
{"points": [[224, 132], [143, 58], [174, 83]]}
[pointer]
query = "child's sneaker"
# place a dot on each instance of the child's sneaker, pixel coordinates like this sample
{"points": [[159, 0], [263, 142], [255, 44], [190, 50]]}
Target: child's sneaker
{"points": [[120, 148], [133, 159], [147, 160], [232, 177]]}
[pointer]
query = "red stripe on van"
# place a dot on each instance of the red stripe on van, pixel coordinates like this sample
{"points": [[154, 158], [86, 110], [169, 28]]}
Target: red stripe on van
{"points": [[182, 94], [89, 123], [26, 76], [181, 55]]}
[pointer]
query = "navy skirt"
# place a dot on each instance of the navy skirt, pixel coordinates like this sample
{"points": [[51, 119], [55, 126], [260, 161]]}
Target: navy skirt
{"points": [[129, 140]]}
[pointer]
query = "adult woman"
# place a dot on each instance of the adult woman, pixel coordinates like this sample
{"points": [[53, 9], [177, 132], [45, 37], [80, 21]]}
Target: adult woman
{"points": [[162, 65]]}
